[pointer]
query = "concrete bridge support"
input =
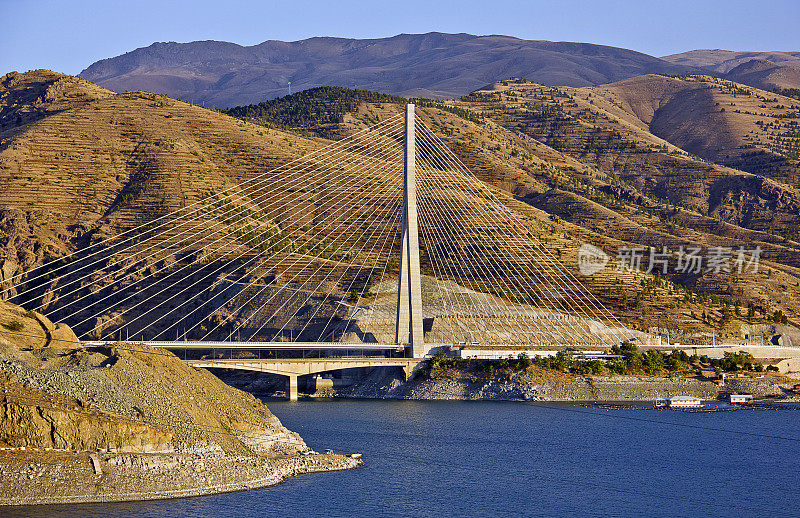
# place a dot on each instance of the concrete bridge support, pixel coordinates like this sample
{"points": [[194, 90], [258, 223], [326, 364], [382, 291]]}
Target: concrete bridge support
{"points": [[291, 387], [408, 328], [293, 368]]}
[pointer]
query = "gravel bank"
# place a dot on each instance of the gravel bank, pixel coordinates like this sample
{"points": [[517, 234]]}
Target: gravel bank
{"points": [[49, 477]]}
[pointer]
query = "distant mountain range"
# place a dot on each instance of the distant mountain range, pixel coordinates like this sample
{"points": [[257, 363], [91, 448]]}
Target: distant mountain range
{"points": [[435, 65]]}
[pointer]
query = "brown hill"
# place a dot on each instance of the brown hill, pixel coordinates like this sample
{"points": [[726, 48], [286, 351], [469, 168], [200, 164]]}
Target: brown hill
{"points": [[766, 75], [723, 61], [90, 172], [716, 119], [132, 399], [637, 187], [110, 162], [99, 167], [126, 422], [598, 128]]}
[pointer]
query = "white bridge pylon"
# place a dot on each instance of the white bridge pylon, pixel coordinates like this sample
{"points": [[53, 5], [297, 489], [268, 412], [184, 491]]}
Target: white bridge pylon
{"points": [[307, 253], [408, 325]]}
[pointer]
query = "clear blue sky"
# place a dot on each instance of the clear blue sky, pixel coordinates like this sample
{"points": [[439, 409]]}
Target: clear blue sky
{"points": [[68, 35]]}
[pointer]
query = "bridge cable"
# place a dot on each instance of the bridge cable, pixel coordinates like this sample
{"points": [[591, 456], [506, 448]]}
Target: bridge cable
{"points": [[306, 157], [295, 276], [307, 232], [571, 281]]}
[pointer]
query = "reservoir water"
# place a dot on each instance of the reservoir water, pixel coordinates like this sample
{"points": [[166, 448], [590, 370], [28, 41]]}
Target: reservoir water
{"points": [[426, 458]]}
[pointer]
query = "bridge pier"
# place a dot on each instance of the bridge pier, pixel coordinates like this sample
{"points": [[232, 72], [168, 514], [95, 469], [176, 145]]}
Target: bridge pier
{"points": [[291, 387]]}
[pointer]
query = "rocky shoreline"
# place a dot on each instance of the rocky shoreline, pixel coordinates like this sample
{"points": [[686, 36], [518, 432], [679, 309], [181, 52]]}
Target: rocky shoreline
{"points": [[37, 478], [543, 385]]}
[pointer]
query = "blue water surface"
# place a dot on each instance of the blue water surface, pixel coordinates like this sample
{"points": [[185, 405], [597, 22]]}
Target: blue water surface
{"points": [[428, 458]]}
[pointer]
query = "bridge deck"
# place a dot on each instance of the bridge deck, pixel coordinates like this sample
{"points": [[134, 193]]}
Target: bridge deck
{"points": [[289, 346]]}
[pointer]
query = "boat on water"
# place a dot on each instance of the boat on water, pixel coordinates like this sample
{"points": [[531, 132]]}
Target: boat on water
{"points": [[679, 402]]}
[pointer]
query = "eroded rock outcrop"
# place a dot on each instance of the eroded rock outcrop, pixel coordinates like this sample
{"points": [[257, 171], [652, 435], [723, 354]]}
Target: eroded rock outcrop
{"points": [[34, 419]]}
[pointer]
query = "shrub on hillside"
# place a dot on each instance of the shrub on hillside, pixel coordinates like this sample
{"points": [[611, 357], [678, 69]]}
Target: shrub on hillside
{"points": [[14, 325]]}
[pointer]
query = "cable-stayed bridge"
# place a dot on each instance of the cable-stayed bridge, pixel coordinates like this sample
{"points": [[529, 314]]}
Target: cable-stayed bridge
{"points": [[383, 243]]}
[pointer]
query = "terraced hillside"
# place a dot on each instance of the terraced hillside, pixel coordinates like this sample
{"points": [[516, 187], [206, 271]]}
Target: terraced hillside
{"points": [[631, 176], [86, 165], [766, 75], [728, 123], [723, 61]]}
